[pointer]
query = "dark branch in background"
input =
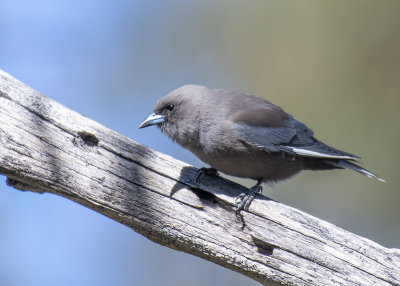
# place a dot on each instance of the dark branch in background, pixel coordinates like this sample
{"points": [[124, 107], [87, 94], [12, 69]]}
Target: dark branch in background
{"points": [[45, 147]]}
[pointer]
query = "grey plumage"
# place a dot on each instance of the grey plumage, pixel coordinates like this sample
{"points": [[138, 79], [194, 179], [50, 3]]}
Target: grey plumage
{"points": [[244, 135]]}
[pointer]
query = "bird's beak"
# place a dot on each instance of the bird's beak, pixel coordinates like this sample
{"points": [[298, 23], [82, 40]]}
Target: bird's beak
{"points": [[153, 119]]}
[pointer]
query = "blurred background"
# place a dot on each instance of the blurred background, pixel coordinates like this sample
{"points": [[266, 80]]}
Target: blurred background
{"points": [[335, 65]]}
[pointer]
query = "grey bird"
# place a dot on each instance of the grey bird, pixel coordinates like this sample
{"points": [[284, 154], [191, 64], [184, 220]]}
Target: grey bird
{"points": [[245, 136]]}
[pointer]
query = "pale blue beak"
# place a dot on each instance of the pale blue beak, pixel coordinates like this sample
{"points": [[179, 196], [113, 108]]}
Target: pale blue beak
{"points": [[153, 119]]}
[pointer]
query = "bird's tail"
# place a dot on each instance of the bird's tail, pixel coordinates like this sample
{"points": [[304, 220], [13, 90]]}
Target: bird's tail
{"points": [[345, 164]]}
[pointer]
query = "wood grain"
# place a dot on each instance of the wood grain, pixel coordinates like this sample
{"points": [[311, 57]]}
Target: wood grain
{"points": [[45, 147]]}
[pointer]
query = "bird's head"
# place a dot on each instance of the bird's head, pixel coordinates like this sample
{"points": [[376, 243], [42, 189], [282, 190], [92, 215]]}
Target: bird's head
{"points": [[177, 114]]}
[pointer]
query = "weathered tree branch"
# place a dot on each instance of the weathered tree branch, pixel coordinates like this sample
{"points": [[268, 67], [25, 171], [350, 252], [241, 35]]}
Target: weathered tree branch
{"points": [[45, 147]]}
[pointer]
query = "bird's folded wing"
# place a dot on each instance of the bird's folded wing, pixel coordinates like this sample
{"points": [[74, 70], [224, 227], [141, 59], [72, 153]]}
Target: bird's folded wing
{"points": [[291, 137]]}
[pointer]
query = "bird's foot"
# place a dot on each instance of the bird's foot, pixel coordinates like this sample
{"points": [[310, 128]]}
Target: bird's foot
{"points": [[205, 171], [243, 201]]}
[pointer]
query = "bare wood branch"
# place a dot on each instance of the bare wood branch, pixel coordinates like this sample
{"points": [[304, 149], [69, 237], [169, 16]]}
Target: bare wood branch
{"points": [[45, 147]]}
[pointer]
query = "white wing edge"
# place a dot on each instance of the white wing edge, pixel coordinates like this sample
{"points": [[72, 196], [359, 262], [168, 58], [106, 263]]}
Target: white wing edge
{"points": [[309, 153]]}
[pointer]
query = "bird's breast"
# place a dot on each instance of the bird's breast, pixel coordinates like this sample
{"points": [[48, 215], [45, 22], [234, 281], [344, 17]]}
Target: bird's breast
{"points": [[254, 164]]}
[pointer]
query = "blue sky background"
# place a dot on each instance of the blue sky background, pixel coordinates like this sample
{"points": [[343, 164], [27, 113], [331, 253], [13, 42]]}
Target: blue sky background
{"points": [[334, 65]]}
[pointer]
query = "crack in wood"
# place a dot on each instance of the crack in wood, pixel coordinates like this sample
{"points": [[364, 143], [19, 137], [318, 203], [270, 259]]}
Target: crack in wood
{"points": [[88, 138], [263, 247]]}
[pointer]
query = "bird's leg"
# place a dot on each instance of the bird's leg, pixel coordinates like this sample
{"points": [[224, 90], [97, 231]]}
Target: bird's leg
{"points": [[205, 171], [244, 200]]}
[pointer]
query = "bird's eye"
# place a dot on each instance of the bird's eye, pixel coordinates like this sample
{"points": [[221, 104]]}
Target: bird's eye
{"points": [[170, 107]]}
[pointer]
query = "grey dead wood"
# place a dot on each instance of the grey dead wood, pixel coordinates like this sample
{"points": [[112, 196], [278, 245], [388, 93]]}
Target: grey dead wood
{"points": [[47, 148]]}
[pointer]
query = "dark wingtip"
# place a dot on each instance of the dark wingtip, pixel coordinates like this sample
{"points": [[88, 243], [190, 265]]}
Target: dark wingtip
{"points": [[350, 165]]}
